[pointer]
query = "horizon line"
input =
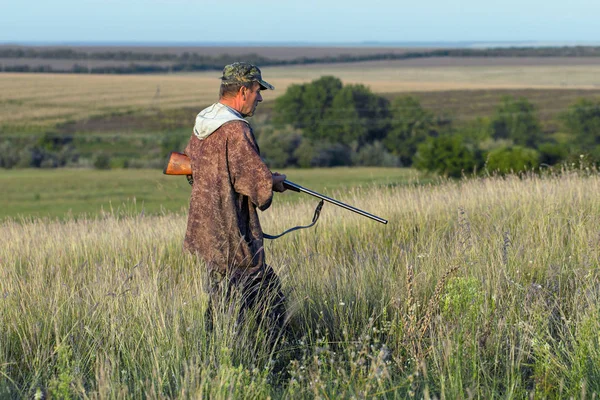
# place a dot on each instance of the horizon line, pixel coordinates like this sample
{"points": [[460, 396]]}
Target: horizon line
{"points": [[370, 43]]}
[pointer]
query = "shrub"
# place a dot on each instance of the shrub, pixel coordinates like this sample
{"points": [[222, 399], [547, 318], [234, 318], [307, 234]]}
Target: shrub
{"points": [[304, 154], [375, 155], [447, 155], [172, 141], [102, 161], [9, 156], [552, 153], [278, 147], [322, 155], [332, 155], [512, 159], [51, 150]]}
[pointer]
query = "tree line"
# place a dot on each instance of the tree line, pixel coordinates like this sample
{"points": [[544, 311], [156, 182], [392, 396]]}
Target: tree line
{"points": [[325, 123], [192, 61]]}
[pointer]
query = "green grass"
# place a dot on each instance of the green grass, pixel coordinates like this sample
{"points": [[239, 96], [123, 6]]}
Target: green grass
{"points": [[483, 288], [55, 193], [61, 192]]}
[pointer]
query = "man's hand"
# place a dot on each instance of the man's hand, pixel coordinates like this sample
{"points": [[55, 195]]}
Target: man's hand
{"points": [[278, 182]]}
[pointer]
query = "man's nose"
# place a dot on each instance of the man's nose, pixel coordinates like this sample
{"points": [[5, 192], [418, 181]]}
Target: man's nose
{"points": [[259, 97]]}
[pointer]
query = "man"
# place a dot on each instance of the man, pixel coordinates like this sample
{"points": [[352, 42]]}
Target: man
{"points": [[230, 181]]}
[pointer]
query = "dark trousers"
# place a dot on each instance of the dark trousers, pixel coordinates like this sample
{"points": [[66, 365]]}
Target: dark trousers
{"points": [[258, 294]]}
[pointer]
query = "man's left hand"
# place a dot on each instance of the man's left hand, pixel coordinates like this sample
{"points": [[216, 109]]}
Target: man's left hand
{"points": [[278, 182]]}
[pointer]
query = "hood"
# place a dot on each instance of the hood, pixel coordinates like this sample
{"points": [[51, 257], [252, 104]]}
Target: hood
{"points": [[212, 118]]}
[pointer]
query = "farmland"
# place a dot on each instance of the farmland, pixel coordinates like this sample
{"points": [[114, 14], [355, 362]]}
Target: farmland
{"points": [[37, 102]]}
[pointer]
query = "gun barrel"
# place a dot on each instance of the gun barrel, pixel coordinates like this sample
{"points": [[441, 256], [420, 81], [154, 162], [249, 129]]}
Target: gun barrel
{"points": [[298, 188]]}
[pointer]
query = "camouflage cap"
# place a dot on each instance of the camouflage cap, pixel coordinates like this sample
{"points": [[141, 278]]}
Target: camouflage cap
{"points": [[242, 72]]}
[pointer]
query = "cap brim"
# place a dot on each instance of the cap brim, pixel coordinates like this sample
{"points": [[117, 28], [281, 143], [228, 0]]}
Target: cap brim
{"points": [[265, 85]]}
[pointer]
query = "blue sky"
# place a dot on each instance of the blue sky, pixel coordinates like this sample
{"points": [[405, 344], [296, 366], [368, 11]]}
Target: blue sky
{"points": [[285, 21]]}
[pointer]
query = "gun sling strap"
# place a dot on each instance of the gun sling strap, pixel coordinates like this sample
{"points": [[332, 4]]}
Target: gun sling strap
{"points": [[314, 220], [190, 180]]}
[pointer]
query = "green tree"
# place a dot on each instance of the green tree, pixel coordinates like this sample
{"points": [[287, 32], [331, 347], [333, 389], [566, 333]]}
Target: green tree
{"points": [[304, 106], [447, 155], [512, 159], [515, 119], [329, 112], [356, 117], [582, 119], [411, 125]]}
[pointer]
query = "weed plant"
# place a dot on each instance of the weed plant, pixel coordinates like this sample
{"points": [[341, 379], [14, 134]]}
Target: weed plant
{"points": [[485, 288]]}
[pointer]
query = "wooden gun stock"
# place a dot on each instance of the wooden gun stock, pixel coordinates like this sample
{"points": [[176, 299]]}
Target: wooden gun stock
{"points": [[180, 164]]}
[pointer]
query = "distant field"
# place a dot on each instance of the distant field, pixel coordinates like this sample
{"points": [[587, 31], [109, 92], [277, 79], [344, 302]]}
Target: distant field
{"points": [[458, 74], [60, 192], [39, 101]]}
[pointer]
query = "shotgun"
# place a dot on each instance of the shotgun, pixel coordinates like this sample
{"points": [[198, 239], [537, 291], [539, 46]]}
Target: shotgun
{"points": [[180, 164]]}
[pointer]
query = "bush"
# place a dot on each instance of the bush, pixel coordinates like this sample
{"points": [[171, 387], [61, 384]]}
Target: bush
{"points": [[332, 155], [375, 155], [9, 156], [304, 154], [172, 141], [277, 147], [52, 150], [102, 161], [447, 155], [322, 155], [512, 159], [552, 153]]}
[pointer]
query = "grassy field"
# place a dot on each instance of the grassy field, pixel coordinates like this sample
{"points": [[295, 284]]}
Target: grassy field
{"points": [[34, 102], [59, 193], [484, 288]]}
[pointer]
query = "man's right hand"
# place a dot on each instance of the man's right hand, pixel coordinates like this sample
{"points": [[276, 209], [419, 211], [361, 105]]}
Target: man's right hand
{"points": [[278, 182]]}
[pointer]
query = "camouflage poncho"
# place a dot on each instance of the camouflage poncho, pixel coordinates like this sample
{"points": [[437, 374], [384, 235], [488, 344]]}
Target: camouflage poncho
{"points": [[230, 182]]}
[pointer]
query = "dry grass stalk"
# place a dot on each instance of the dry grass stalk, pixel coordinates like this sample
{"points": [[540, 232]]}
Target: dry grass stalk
{"points": [[464, 225], [505, 245], [434, 302], [410, 322]]}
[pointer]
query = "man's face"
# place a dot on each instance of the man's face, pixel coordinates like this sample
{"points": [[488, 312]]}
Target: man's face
{"points": [[251, 99]]}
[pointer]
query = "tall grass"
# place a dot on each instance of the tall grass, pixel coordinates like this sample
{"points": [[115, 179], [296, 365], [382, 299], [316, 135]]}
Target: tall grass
{"points": [[480, 288]]}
